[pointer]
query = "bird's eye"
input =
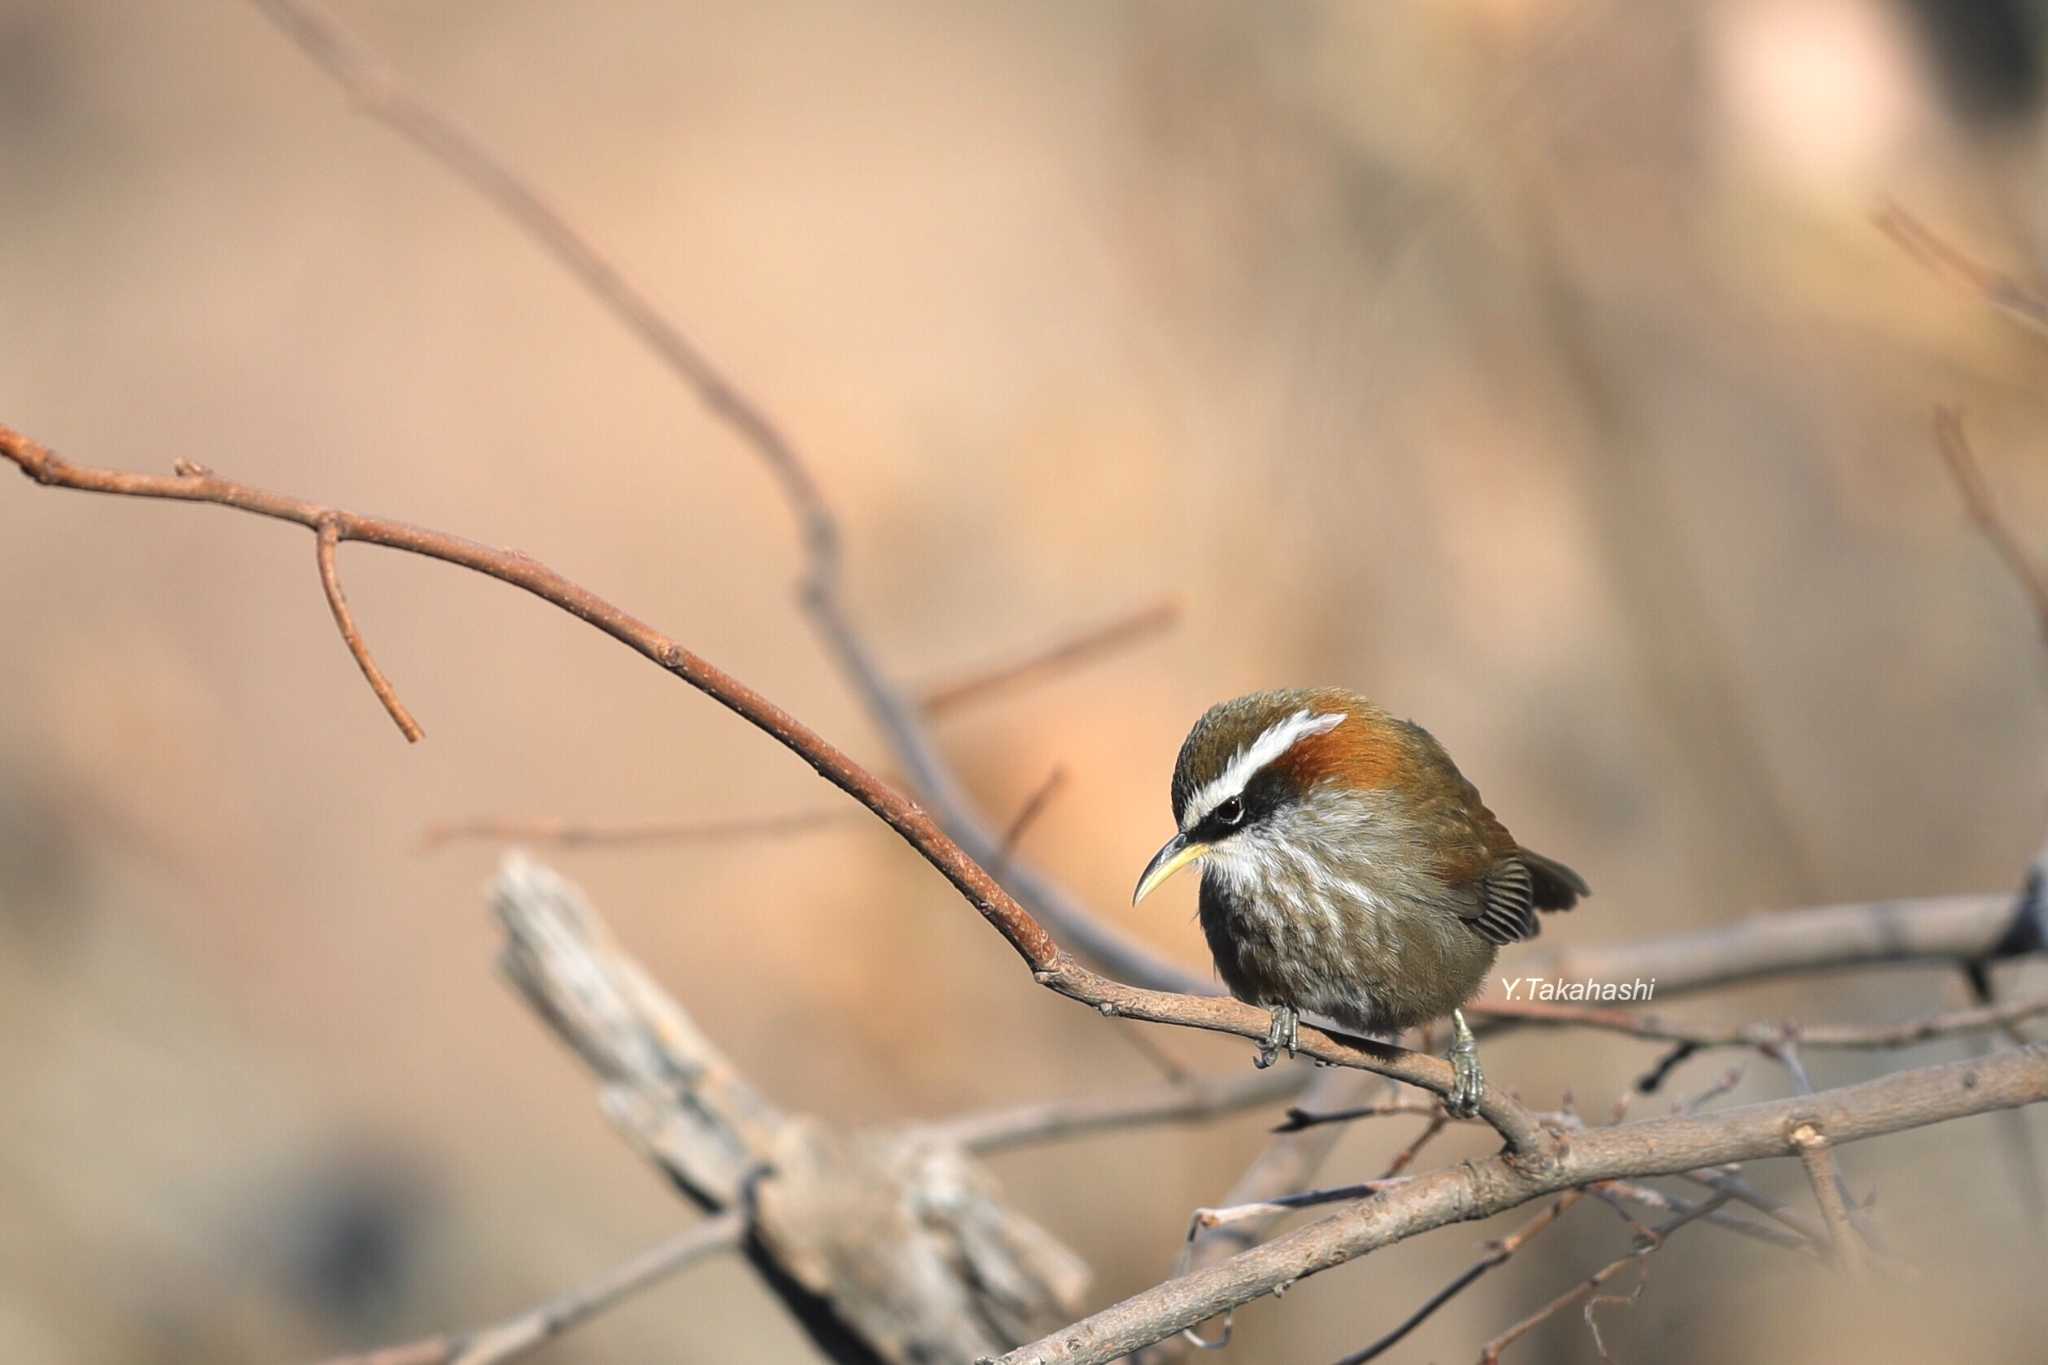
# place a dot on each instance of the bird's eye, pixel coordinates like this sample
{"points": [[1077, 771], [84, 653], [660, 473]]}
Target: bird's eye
{"points": [[1231, 812]]}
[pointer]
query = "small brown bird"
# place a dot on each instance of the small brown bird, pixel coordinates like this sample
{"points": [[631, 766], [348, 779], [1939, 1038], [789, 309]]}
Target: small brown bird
{"points": [[1348, 868]]}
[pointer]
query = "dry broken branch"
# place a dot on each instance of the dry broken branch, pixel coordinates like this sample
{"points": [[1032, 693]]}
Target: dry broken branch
{"points": [[886, 1245]]}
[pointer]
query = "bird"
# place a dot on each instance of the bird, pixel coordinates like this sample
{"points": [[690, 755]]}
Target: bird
{"points": [[1349, 870]]}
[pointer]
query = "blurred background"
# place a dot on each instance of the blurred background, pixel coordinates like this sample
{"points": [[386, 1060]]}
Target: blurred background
{"points": [[1530, 365]]}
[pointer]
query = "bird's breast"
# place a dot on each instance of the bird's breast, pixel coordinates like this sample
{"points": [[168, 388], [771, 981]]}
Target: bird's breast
{"points": [[1369, 951]]}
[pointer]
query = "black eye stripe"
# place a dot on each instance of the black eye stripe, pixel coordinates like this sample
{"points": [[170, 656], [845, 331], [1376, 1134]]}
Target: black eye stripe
{"points": [[1231, 811]]}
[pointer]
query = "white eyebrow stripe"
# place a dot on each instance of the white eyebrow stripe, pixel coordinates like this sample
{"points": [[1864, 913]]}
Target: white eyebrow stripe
{"points": [[1277, 739]]}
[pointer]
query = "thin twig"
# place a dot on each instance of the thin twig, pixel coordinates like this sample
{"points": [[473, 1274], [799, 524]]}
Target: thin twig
{"points": [[1954, 445], [1496, 1256], [515, 1336], [1204, 1219], [330, 580], [1656, 1199], [377, 88], [1742, 1192], [1051, 966], [1078, 648], [1299, 1118], [1490, 1353], [568, 834], [1477, 1189], [1055, 1121], [2019, 302], [1771, 1037], [1819, 1159], [1027, 815], [1405, 1158]]}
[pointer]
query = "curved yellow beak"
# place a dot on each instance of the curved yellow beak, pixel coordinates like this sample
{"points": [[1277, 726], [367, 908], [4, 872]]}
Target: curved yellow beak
{"points": [[1178, 853]]}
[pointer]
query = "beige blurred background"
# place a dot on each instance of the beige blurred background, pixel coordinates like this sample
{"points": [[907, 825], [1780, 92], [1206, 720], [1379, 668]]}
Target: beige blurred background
{"points": [[1531, 365]]}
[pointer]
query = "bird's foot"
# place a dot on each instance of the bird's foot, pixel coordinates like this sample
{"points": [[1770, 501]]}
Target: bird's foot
{"points": [[1285, 1033], [1468, 1084]]}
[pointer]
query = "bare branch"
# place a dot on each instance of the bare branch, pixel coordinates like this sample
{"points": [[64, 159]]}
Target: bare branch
{"points": [[569, 834], [1081, 647], [1490, 1353], [1969, 479], [1056, 1121], [1819, 1160], [1299, 1118], [1938, 929], [1947, 1024], [537, 1326], [885, 1244], [1501, 1251], [1027, 815], [1204, 1219], [1629, 1191], [378, 90], [1479, 1189], [1050, 965], [2019, 302], [1741, 1191], [337, 602]]}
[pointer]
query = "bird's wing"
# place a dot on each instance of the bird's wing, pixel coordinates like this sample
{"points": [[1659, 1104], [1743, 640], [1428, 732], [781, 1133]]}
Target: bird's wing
{"points": [[1476, 857]]}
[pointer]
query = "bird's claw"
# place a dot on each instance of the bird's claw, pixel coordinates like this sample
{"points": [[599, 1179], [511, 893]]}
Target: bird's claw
{"points": [[1468, 1082], [1285, 1033], [1469, 1086]]}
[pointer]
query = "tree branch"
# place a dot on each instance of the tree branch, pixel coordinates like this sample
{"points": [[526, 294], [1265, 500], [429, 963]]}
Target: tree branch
{"points": [[1939, 929], [1862, 1037], [537, 1326], [1480, 1189], [1081, 647], [1050, 965], [1817, 1155], [330, 580], [1490, 1353], [1954, 445], [570, 834], [1058, 1120], [2019, 302], [377, 88]]}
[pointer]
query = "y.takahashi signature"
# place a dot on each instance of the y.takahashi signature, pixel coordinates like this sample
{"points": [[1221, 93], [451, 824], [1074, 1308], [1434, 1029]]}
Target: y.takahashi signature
{"points": [[1553, 991]]}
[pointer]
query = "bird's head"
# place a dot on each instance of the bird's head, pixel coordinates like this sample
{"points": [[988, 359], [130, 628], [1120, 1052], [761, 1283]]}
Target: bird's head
{"points": [[1261, 774]]}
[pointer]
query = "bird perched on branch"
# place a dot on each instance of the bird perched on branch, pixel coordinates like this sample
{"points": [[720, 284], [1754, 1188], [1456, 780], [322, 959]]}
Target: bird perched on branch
{"points": [[1348, 869]]}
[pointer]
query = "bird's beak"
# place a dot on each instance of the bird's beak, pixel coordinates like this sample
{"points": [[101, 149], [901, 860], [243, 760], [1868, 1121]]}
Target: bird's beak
{"points": [[1178, 853]]}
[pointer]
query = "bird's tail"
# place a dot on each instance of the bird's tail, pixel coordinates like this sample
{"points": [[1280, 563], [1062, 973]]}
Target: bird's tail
{"points": [[1555, 886]]}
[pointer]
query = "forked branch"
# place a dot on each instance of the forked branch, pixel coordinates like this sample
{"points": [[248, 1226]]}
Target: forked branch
{"points": [[1050, 965]]}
